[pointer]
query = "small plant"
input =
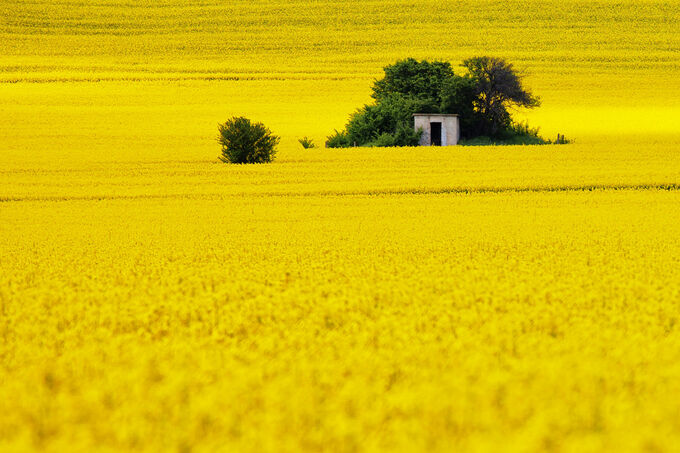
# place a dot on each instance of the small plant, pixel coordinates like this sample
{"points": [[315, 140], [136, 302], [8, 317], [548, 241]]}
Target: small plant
{"points": [[307, 143], [562, 140], [245, 142]]}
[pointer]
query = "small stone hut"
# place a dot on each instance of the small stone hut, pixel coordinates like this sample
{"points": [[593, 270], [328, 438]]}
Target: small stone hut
{"points": [[438, 129]]}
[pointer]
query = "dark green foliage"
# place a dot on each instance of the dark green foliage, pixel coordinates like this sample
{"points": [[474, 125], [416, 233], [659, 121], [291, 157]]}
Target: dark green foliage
{"points": [[481, 97], [245, 142], [484, 140], [561, 140], [339, 139], [498, 87], [458, 96], [522, 130], [407, 136], [480, 140], [404, 136], [514, 134], [414, 79], [307, 143], [369, 125], [383, 140]]}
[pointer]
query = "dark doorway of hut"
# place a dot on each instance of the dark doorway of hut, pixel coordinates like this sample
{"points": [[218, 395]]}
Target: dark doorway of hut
{"points": [[436, 133]]}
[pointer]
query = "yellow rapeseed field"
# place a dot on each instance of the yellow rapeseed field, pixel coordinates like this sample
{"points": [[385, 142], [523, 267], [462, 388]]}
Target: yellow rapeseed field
{"points": [[481, 299]]}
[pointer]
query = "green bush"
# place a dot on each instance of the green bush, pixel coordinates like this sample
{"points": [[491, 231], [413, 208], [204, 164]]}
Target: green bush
{"points": [[481, 140], [245, 142], [514, 134], [339, 139], [383, 140], [404, 136], [522, 134], [371, 124], [561, 140], [307, 143]]}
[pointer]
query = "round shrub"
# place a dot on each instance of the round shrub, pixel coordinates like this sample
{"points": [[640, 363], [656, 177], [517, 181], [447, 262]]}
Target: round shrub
{"points": [[245, 142]]}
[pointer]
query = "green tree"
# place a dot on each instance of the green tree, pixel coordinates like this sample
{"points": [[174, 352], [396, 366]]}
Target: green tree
{"points": [[458, 96], [422, 80], [482, 98], [245, 142], [498, 88], [409, 86]]}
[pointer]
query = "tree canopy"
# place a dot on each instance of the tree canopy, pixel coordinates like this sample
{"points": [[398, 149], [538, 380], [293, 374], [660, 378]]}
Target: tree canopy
{"points": [[482, 97], [498, 87], [411, 78]]}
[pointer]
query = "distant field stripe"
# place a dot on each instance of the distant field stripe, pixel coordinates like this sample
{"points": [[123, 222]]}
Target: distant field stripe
{"points": [[377, 192], [565, 188], [179, 78]]}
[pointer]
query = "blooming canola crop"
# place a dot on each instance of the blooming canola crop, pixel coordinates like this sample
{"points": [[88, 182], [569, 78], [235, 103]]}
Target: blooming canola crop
{"points": [[475, 299]]}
